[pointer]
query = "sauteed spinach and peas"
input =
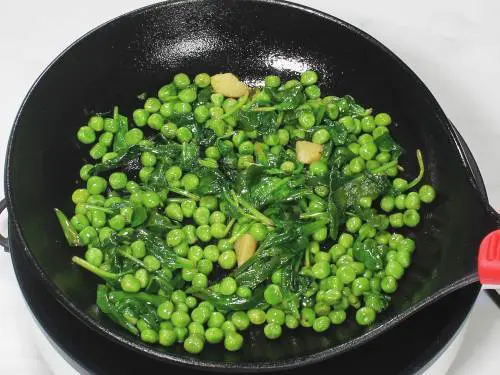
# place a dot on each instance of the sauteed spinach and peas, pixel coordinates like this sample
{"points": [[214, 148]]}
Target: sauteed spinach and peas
{"points": [[221, 206]]}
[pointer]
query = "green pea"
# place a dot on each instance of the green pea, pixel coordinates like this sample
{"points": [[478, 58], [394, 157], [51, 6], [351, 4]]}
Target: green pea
{"points": [[412, 201], [79, 222], [332, 111], [202, 80], [399, 202], [337, 317], [129, 283], [167, 337], [427, 193], [94, 256], [205, 266], [98, 151], [272, 331], [353, 224], [273, 295], [110, 125], [368, 124], [140, 117], [321, 136], [180, 319], [228, 286], [195, 253], [150, 199], [383, 119], [150, 336], [346, 273], [201, 114], [309, 77], [387, 203], [118, 180], [151, 263], [203, 233], [306, 119], [181, 333], [389, 284], [233, 341], [396, 220], [274, 315], [406, 244], [200, 280], [187, 95], [307, 317], [217, 99], [173, 173], [287, 166], [183, 134], [318, 168], [365, 316], [291, 321], [86, 135], [132, 187], [181, 80], [399, 184], [256, 316], [314, 249], [366, 230], [403, 258], [411, 218], [368, 150], [98, 219], [240, 320], [190, 233], [337, 250], [194, 343], [104, 233], [272, 81], [174, 211], [81, 195], [175, 237], [216, 319], [258, 231], [152, 105], [357, 165], [200, 314], [244, 292], [217, 230], [283, 137], [312, 92], [332, 296], [321, 324], [321, 270], [134, 136], [360, 286], [106, 139], [214, 335], [165, 310], [379, 131]]}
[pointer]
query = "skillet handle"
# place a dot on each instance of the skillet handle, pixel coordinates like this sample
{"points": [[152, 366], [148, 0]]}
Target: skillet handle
{"points": [[489, 261], [3, 240]]}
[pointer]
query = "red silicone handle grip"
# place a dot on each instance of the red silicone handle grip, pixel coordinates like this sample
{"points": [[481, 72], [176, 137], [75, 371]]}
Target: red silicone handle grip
{"points": [[489, 259]]}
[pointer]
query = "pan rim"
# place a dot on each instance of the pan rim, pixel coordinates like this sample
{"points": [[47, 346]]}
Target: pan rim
{"points": [[118, 335]]}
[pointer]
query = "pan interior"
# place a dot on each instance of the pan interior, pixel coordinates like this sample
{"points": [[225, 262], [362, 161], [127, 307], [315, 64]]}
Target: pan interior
{"points": [[142, 51]]}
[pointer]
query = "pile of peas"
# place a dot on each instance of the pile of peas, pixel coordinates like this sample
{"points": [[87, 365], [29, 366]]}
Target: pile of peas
{"points": [[341, 283]]}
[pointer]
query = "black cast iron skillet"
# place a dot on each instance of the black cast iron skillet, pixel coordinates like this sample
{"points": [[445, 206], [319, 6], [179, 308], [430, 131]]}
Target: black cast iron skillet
{"points": [[139, 52]]}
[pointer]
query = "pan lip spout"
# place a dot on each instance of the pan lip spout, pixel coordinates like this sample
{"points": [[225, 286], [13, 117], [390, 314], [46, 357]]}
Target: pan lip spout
{"points": [[116, 334]]}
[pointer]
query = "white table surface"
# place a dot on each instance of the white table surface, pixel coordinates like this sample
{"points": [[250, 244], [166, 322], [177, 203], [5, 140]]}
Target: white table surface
{"points": [[452, 45]]}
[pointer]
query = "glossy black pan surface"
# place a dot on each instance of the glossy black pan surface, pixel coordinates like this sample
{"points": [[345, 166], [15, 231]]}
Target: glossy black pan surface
{"points": [[142, 50]]}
